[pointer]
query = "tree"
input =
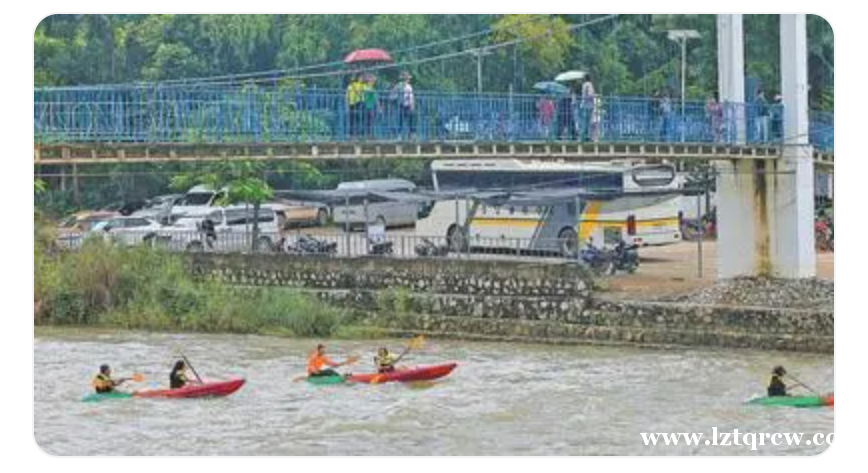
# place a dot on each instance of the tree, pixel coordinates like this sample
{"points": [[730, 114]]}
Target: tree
{"points": [[242, 182]]}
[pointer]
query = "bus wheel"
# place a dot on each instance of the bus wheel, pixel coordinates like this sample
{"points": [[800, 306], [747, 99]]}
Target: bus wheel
{"points": [[568, 241], [456, 238]]}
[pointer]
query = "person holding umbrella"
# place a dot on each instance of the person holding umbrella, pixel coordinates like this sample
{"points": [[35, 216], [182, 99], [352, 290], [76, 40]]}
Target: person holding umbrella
{"points": [[355, 90]]}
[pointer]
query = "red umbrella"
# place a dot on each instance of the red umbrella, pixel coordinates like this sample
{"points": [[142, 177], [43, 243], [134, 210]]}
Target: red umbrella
{"points": [[368, 55]]}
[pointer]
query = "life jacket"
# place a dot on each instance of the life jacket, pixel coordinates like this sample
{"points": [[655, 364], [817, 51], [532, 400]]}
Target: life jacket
{"points": [[177, 379], [103, 384], [777, 387], [385, 362], [316, 361]]}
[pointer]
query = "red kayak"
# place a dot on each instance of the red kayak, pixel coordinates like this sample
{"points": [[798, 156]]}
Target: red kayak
{"points": [[210, 389], [423, 373]]}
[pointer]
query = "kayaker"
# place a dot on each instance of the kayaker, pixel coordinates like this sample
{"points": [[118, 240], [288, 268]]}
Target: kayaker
{"points": [[178, 376], [385, 361], [317, 360], [103, 382], [777, 387]]}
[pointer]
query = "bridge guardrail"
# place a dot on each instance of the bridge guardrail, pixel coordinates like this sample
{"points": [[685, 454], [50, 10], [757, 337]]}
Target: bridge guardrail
{"points": [[310, 115]]}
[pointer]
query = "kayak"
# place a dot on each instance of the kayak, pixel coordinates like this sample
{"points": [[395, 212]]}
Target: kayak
{"points": [[96, 397], [795, 401], [211, 389], [422, 373], [326, 380]]}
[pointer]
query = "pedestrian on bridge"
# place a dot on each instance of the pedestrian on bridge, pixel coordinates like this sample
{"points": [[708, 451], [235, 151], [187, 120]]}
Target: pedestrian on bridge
{"points": [[586, 108], [762, 116], [403, 94]]}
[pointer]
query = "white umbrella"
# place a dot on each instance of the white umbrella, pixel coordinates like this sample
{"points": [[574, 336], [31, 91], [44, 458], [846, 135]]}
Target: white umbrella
{"points": [[570, 75]]}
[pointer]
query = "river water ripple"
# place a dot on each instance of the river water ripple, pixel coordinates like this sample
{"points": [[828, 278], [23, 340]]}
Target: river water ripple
{"points": [[503, 399]]}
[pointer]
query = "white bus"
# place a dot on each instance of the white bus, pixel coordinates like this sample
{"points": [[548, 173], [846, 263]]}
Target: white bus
{"points": [[648, 217]]}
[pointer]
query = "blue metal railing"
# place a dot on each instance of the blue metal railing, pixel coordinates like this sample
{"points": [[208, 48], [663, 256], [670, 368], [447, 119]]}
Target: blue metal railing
{"points": [[310, 115]]}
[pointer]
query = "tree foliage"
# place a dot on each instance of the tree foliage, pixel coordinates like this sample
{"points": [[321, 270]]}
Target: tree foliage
{"points": [[628, 55]]}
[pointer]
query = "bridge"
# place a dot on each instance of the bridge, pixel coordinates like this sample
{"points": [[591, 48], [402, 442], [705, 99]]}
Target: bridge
{"points": [[765, 221], [102, 124]]}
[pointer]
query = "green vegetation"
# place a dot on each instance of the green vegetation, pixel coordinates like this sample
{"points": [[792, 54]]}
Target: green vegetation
{"points": [[629, 55], [143, 288]]}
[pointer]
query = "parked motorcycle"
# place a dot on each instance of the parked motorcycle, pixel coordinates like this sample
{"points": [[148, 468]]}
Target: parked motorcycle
{"points": [[599, 261], [625, 257], [622, 257], [429, 249], [383, 247], [308, 245]]}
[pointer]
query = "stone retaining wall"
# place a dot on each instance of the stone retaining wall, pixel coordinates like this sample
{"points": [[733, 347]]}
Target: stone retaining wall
{"points": [[518, 301]]}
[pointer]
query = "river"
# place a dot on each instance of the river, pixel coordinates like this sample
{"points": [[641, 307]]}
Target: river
{"points": [[503, 399]]}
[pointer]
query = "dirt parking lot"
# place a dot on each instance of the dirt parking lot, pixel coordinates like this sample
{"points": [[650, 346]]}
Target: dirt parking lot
{"points": [[673, 269]]}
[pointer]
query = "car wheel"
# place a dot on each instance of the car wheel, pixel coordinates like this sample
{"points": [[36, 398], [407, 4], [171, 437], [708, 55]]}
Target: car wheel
{"points": [[568, 241], [195, 247], [265, 245], [322, 218], [457, 238]]}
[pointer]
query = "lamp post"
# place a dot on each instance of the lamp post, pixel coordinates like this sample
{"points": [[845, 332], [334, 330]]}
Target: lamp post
{"points": [[479, 53], [682, 36]]}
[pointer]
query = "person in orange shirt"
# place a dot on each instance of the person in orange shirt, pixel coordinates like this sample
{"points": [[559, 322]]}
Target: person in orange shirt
{"points": [[318, 359]]}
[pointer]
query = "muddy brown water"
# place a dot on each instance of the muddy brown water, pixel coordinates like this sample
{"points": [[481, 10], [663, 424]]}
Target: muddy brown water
{"points": [[503, 399]]}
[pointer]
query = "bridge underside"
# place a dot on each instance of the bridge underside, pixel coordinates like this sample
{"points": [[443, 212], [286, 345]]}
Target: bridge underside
{"points": [[566, 151]]}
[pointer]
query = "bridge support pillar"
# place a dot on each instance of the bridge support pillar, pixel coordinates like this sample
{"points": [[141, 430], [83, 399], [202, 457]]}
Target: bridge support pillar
{"points": [[766, 206]]}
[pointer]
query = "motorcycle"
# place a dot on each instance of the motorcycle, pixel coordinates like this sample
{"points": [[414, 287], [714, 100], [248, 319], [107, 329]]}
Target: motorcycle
{"points": [[622, 257], [625, 257], [308, 245], [428, 249], [383, 247], [597, 260]]}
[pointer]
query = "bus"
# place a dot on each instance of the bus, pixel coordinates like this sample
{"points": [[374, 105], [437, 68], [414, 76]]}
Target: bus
{"points": [[617, 200]]}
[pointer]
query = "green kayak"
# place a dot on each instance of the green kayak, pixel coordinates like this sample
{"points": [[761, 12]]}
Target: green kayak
{"points": [[325, 380], [96, 397], [795, 401]]}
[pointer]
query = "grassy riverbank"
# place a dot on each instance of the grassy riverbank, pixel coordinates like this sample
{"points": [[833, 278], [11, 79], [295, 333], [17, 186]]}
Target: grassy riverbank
{"points": [[105, 285]]}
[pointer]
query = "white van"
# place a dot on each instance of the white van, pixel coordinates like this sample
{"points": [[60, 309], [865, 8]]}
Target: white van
{"points": [[233, 229], [380, 210], [198, 201]]}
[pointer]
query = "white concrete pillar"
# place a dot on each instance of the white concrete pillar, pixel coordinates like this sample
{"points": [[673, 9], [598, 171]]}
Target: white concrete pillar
{"points": [[766, 207], [730, 73], [791, 199], [737, 220]]}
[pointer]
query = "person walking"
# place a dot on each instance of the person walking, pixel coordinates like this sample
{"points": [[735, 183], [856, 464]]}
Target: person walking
{"points": [[370, 105], [666, 118], [566, 117], [586, 108], [354, 105], [714, 115], [403, 94], [762, 116]]}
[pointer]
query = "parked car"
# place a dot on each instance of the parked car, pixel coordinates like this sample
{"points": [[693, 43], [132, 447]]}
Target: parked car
{"points": [[130, 230], [227, 229], [304, 214], [71, 230]]}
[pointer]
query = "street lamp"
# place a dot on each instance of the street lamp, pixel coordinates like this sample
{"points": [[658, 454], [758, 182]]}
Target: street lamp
{"points": [[479, 53], [682, 36]]}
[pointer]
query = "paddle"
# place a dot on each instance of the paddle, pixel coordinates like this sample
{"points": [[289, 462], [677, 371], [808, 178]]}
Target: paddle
{"points": [[191, 368], [415, 343], [350, 360], [803, 384], [138, 378]]}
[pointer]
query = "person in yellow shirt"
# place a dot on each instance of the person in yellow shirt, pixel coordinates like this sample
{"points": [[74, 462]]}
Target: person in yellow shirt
{"points": [[355, 95], [104, 383]]}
